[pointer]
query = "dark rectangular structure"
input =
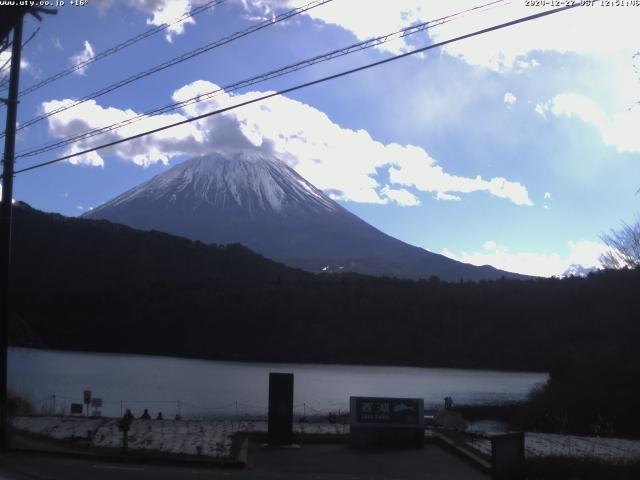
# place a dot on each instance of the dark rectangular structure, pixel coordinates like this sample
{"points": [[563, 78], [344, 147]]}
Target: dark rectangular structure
{"points": [[507, 456], [280, 409], [383, 421]]}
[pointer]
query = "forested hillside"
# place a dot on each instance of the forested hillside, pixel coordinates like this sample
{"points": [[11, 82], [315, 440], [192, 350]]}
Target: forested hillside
{"points": [[91, 285]]}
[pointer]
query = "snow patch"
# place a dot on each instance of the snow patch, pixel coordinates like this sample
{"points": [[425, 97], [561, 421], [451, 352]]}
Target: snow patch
{"points": [[539, 445], [208, 438], [249, 181]]}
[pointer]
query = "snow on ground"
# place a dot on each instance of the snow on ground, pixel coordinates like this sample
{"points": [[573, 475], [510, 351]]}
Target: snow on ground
{"points": [[299, 428], [56, 427], [190, 437], [537, 445], [209, 438], [212, 438]]}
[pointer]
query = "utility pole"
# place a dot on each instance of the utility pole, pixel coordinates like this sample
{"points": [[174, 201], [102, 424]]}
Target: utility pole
{"points": [[5, 221], [12, 19]]}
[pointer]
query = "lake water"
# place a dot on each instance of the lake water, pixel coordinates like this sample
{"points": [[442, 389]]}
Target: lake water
{"points": [[217, 388]]}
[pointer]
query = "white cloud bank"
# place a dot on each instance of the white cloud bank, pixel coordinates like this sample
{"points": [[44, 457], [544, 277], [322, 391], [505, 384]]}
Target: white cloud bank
{"points": [[585, 253], [619, 130], [145, 151], [344, 162], [509, 48]]}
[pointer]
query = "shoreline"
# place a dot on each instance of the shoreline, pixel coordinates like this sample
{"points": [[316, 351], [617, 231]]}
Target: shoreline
{"points": [[279, 363]]}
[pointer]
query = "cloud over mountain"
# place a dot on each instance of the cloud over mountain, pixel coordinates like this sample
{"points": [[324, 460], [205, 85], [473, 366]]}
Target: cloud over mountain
{"points": [[347, 163]]}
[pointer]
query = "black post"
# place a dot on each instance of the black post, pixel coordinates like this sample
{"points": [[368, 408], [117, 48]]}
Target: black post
{"points": [[508, 456], [5, 221], [125, 440], [280, 425]]}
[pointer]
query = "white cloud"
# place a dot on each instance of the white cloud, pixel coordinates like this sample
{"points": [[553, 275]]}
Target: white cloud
{"points": [[585, 253], [512, 48], [412, 166], [547, 195], [447, 197], [400, 196], [161, 12], [159, 147], [490, 245], [364, 18], [510, 99], [86, 54], [165, 12], [5, 61], [542, 109], [619, 130], [343, 162], [509, 48], [522, 64]]}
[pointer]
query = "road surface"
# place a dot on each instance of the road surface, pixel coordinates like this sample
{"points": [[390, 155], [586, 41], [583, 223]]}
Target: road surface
{"points": [[311, 462]]}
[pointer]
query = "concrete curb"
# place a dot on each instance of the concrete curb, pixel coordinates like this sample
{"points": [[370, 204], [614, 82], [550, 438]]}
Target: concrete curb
{"points": [[463, 452]]}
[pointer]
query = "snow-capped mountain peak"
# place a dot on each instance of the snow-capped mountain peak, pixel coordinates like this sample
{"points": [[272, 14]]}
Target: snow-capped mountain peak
{"points": [[243, 181], [577, 270], [267, 206]]}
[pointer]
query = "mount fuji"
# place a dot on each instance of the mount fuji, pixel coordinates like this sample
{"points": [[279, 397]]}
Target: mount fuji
{"points": [[267, 206]]}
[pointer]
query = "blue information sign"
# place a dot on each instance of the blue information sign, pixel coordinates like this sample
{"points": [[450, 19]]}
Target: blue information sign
{"points": [[387, 411]]}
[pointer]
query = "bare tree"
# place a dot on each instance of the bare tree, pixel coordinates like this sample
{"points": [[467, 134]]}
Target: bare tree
{"points": [[624, 246]]}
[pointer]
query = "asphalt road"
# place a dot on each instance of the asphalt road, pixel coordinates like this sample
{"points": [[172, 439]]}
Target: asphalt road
{"points": [[311, 462]]}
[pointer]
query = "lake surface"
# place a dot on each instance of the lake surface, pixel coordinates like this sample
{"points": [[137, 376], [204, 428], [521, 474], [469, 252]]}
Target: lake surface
{"points": [[217, 388]]}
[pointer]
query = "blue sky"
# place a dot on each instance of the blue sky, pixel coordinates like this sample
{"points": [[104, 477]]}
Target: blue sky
{"points": [[517, 149]]}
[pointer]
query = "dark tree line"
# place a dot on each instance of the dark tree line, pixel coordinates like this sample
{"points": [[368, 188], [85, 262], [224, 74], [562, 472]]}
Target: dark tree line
{"points": [[95, 286]]}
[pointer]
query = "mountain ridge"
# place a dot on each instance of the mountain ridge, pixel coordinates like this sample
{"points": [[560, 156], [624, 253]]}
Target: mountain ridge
{"points": [[265, 205]]}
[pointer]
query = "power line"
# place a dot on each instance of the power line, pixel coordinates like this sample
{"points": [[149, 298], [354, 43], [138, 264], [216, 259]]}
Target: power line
{"points": [[175, 61], [302, 85], [5, 65], [373, 42], [120, 46]]}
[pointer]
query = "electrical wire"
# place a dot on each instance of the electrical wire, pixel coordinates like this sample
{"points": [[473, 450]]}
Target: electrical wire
{"points": [[373, 42], [120, 46], [177, 60], [8, 61], [303, 85]]}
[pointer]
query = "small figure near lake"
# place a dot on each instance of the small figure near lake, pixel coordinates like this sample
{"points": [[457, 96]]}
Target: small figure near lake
{"points": [[159, 417], [145, 415], [448, 403]]}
